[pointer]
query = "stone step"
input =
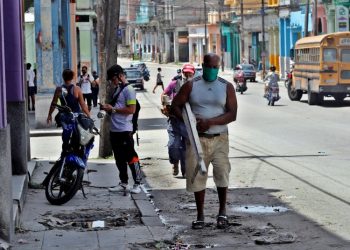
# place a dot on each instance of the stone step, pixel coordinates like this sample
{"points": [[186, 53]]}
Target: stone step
{"points": [[31, 167], [4, 245], [19, 191], [16, 214]]}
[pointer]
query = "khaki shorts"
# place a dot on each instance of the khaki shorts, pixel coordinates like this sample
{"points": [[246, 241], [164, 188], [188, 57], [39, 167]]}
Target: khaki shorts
{"points": [[215, 152]]}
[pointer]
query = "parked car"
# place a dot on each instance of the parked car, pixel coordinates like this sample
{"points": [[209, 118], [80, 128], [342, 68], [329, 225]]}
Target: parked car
{"points": [[143, 68], [248, 71], [134, 77]]}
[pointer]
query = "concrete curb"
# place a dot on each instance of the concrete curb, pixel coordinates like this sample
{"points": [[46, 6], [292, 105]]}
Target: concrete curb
{"points": [[43, 133], [4, 245], [19, 192], [150, 218]]}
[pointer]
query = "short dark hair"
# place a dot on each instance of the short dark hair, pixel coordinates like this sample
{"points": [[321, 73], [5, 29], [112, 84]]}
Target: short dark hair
{"points": [[114, 70], [84, 67], [29, 65], [67, 75], [210, 56], [159, 69]]}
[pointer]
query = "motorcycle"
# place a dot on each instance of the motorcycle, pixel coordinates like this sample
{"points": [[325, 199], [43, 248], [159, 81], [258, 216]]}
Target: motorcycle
{"points": [[289, 79], [66, 176], [241, 83], [273, 95], [146, 74]]}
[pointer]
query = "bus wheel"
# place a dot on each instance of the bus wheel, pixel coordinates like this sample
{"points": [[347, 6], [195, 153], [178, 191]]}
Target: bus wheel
{"points": [[320, 99], [339, 97], [312, 98], [294, 94]]}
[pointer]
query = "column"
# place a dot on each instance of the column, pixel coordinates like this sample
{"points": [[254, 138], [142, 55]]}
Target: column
{"points": [[190, 52], [57, 35], [6, 211], [176, 45], [66, 59], [282, 45], [14, 76], [73, 39]]}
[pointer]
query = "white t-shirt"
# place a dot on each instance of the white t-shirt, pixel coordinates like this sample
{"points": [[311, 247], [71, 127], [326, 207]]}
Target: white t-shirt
{"points": [[30, 77], [85, 84]]}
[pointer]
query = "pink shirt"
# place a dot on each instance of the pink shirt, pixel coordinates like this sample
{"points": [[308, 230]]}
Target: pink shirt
{"points": [[170, 89]]}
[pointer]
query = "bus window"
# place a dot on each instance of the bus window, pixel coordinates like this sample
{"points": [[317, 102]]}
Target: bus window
{"points": [[329, 55], [345, 55]]}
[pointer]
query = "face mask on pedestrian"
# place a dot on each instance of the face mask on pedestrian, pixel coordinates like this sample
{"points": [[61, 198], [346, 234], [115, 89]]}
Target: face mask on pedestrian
{"points": [[210, 74]]}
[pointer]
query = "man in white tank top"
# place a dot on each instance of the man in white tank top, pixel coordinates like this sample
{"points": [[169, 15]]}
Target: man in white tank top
{"points": [[213, 102], [84, 81]]}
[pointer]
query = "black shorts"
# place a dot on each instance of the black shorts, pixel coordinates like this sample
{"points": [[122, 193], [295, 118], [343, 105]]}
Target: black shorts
{"points": [[31, 91], [88, 98], [160, 83]]}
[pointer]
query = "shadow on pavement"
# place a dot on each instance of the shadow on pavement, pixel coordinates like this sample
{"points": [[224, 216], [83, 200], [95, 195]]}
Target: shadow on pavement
{"points": [[256, 217], [152, 124], [332, 104]]}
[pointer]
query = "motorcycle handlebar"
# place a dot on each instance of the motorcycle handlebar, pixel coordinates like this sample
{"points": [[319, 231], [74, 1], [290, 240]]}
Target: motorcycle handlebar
{"points": [[63, 108]]}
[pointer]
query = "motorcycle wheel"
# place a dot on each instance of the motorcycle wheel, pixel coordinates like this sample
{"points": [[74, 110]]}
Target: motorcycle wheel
{"points": [[58, 192], [286, 83]]}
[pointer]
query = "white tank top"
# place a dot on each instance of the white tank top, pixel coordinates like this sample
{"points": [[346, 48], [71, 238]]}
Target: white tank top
{"points": [[86, 85], [208, 100]]}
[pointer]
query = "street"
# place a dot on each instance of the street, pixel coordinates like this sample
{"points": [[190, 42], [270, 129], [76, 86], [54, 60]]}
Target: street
{"points": [[297, 149], [289, 176], [288, 179]]}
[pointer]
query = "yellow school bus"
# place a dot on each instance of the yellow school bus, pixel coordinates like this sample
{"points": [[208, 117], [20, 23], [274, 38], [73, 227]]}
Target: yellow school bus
{"points": [[322, 68]]}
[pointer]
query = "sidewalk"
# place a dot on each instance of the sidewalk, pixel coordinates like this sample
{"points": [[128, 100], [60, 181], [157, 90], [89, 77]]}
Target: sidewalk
{"points": [[102, 221]]}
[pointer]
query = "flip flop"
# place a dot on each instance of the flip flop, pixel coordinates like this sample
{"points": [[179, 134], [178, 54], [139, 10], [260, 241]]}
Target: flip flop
{"points": [[197, 224], [222, 222]]}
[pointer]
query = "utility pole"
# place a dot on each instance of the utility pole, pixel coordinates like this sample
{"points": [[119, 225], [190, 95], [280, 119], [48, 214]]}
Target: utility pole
{"points": [[315, 19], [242, 31], [205, 28], [221, 37], [263, 53], [307, 18]]}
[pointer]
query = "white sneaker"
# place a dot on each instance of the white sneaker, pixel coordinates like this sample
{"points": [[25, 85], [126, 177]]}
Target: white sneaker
{"points": [[136, 189], [122, 187]]}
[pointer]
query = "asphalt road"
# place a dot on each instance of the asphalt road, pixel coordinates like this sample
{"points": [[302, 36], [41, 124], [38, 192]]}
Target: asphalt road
{"points": [[297, 149], [300, 151]]}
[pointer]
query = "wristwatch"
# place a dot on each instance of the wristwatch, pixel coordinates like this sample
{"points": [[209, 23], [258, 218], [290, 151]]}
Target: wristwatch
{"points": [[114, 110]]}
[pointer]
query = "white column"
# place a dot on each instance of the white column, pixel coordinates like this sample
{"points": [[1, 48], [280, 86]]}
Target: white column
{"points": [[176, 46], [190, 52]]}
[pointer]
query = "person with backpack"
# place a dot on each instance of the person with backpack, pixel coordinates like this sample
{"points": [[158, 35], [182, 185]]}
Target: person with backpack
{"points": [[176, 128], [74, 98], [95, 86], [122, 110], [84, 82]]}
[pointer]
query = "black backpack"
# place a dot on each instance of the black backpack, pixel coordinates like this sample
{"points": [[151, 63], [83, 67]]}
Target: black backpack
{"points": [[135, 116]]}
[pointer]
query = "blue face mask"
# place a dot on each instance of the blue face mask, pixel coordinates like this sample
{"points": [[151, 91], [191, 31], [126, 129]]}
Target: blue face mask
{"points": [[210, 74]]}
